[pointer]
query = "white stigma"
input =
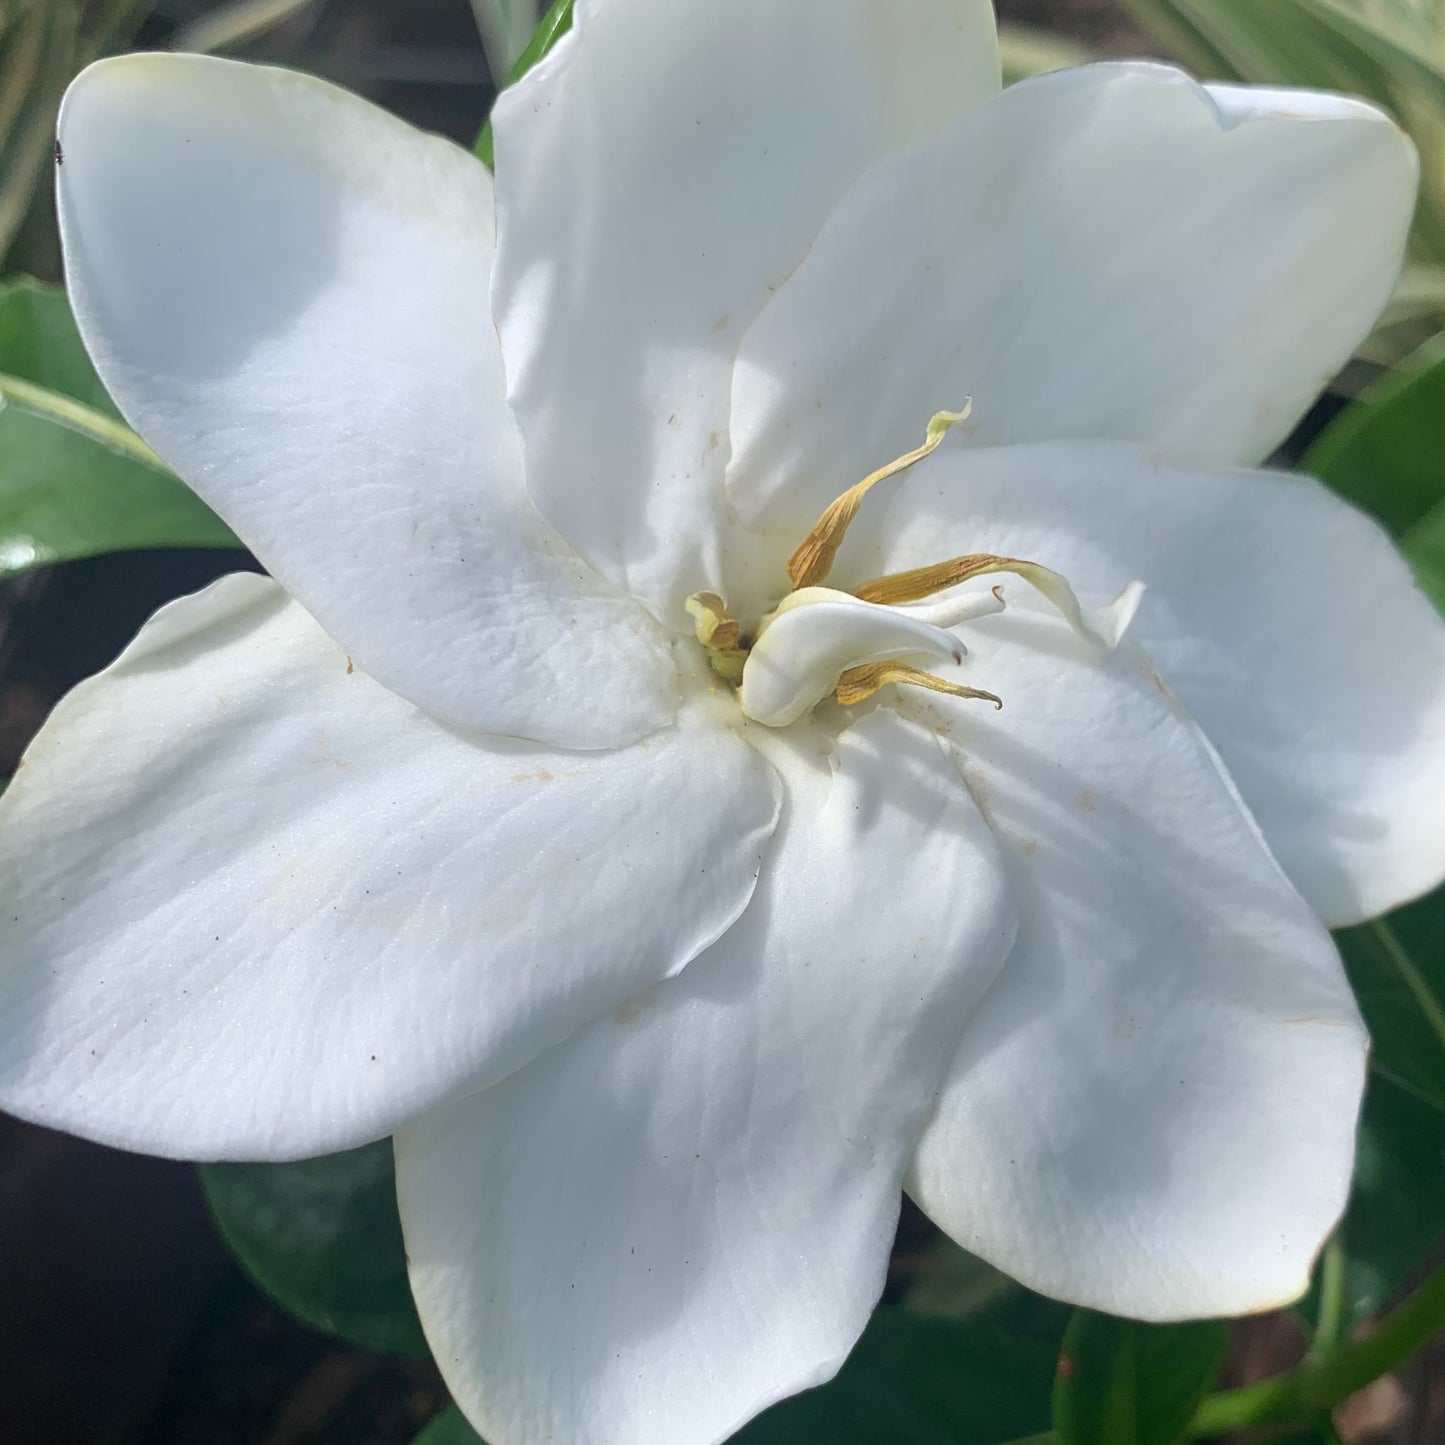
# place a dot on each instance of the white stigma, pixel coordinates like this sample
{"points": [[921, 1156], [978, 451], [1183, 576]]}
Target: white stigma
{"points": [[817, 634]]}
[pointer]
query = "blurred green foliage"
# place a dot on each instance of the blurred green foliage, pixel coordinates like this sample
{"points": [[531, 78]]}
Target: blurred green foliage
{"points": [[1386, 453], [1124, 1383], [75, 481], [43, 43], [1391, 52], [323, 1239]]}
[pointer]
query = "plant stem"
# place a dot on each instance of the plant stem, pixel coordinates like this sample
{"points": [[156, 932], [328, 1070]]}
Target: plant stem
{"points": [[1269, 1402], [1409, 1328], [1404, 965], [1334, 1276], [1320, 1384], [1327, 1378], [76, 416]]}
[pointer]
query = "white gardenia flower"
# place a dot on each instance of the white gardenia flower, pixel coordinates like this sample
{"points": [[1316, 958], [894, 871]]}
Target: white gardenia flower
{"points": [[461, 828]]}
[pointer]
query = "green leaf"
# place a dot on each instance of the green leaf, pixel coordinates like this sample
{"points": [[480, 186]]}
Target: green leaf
{"points": [[914, 1381], [1124, 1383], [74, 479], [448, 1428], [1397, 1211], [323, 1239], [550, 29], [1397, 967], [909, 1382], [1396, 1214], [74, 483], [1386, 453], [39, 343], [1424, 549]]}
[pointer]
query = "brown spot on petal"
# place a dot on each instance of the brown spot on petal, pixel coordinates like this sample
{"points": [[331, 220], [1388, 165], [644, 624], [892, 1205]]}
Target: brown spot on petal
{"points": [[629, 1013]]}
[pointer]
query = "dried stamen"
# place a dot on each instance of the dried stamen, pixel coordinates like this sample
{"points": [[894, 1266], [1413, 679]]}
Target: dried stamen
{"points": [[1105, 627], [858, 684], [719, 634], [812, 562]]}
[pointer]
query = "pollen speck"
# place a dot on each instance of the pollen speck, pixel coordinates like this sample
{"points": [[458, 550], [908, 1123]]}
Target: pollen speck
{"points": [[630, 1013]]}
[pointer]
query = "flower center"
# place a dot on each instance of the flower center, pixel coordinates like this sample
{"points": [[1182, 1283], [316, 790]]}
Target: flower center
{"points": [[819, 642]]}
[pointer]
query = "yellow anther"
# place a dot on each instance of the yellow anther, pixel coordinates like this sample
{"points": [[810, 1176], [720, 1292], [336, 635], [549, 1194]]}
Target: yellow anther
{"points": [[858, 684], [720, 634], [812, 562], [711, 622]]}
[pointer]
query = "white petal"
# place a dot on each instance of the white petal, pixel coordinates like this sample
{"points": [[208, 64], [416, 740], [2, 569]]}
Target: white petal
{"points": [[1153, 1111], [685, 1212], [1284, 619], [286, 291], [647, 208], [1105, 252], [815, 636], [256, 906]]}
